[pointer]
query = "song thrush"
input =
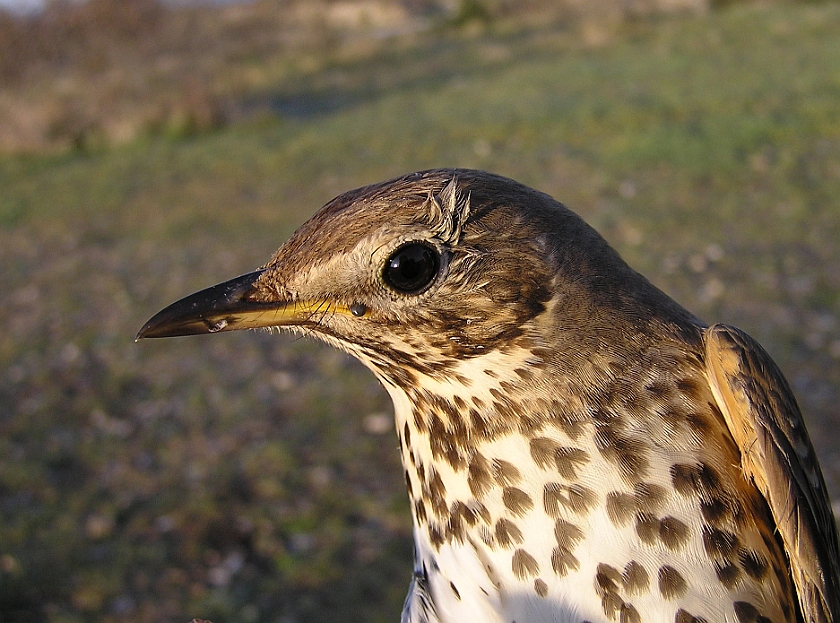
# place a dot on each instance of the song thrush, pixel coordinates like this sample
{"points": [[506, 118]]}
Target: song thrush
{"points": [[577, 446]]}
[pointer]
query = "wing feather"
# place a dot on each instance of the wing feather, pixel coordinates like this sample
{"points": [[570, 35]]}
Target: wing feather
{"points": [[776, 453]]}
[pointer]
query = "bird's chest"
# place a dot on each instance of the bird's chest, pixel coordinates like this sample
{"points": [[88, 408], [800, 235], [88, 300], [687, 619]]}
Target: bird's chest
{"points": [[560, 515], [520, 537]]}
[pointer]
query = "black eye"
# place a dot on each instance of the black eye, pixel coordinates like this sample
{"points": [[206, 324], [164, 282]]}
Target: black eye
{"points": [[412, 267]]}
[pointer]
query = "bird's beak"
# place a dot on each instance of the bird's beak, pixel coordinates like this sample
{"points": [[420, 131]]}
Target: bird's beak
{"points": [[230, 306]]}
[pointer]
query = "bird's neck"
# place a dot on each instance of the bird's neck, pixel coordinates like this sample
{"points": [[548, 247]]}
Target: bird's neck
{"points": [[474, 456]]}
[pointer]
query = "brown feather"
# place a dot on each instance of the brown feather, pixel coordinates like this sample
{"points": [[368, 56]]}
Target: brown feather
{"points": [[777, 456]]}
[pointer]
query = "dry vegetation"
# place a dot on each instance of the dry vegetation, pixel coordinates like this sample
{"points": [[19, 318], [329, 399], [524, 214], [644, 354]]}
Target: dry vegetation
{"points": [[103, 72]]}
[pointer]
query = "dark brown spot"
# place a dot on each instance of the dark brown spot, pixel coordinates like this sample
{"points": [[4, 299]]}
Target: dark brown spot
{"points": [[444, 443], [507, 534], [647, 527], [516, 501], [684, 477], [635, 578], [753, 563], [481, 511], [480, 425], [458, 430], [612, 604], [531, 424], [524, 565], [659, 389], [684, 616], [577, 498], [607, 578], [562, 561], [478, 476], [435, 536], [507, 388], [581, 499], [627, 454], [437, 493], [690, 388], [402, 377], [672, 532], [420, 511], [524, 373], [542, 451], [571, 423], [540, 354], [567, 534], [462, 380], [699, 424], [464, 511], [506, 411], [620, 507], [540, 587], [748, 613], [455, 590], [719, 544], [567, 461], [419, 420], [716, 510], [649, 497], [455, 525], [629, 614], [553, 497], [505, 473], [697, 479], [727, 573], [671, 583]]}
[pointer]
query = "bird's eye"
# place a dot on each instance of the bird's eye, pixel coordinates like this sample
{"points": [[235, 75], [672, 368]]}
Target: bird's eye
{"points": [[412, 267]]}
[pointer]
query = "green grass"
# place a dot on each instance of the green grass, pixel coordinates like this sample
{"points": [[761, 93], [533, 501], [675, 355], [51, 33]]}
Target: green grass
{"points": [[233, 478]]}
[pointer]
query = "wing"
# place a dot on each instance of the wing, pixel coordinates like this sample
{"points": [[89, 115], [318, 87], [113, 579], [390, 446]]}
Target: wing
{"points": [[777, 455]]}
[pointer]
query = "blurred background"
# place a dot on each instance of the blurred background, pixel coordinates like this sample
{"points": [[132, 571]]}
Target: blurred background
{"points": [[148, 149]]}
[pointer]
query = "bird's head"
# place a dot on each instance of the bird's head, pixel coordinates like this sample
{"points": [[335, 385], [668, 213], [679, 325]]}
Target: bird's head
{"points": [[419, 272]]}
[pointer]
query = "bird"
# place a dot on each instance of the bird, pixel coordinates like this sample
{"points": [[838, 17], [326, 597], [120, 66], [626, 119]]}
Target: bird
{"points": [[577, 446]]}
